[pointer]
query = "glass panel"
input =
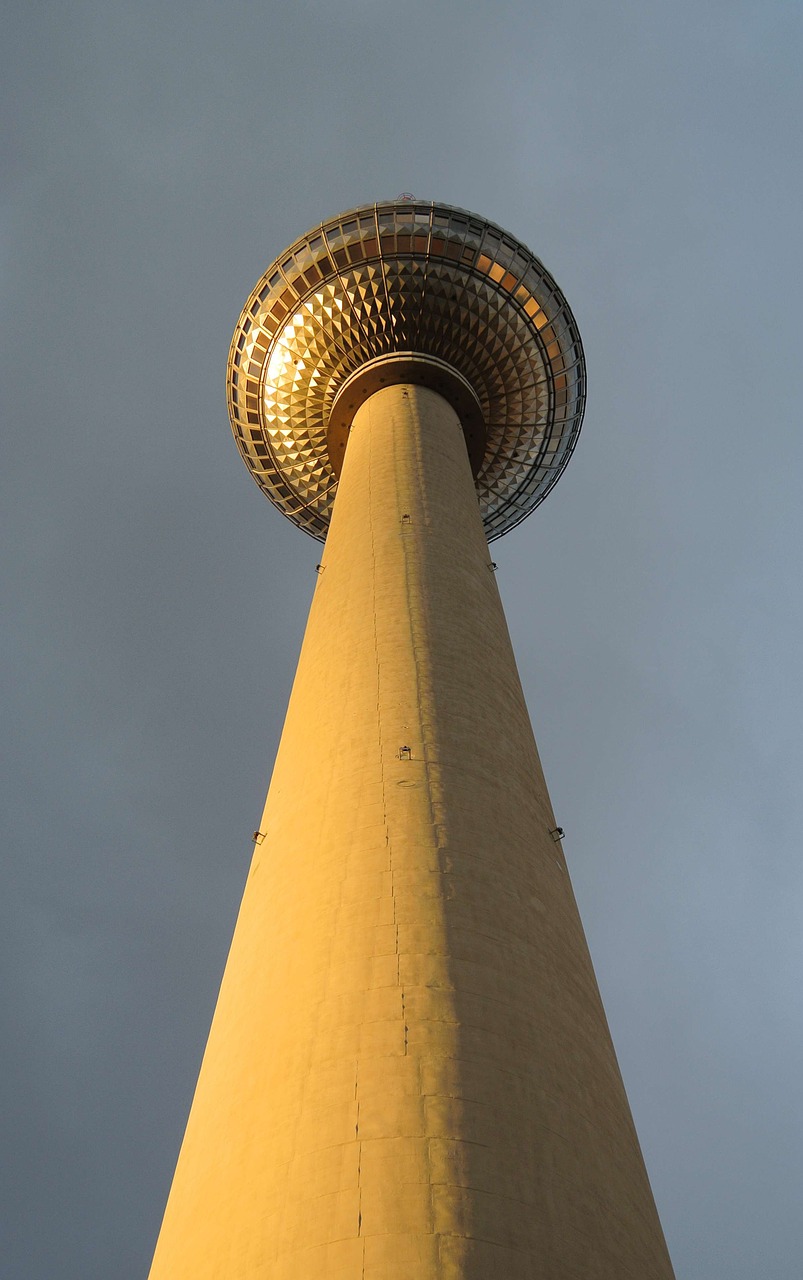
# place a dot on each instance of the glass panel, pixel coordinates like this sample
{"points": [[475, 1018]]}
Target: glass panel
{"points": [[334, 237], [303, 256]]}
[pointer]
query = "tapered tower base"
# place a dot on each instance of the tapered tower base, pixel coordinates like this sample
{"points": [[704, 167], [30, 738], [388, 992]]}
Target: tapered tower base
{"points": [[409, 1075]]}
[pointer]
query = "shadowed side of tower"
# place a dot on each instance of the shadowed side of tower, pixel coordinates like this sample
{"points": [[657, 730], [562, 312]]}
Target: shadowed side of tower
{"points": [[409, 1072]]}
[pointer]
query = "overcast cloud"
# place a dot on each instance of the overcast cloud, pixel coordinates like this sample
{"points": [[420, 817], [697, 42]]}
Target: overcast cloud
{"points": [[159, 156]]}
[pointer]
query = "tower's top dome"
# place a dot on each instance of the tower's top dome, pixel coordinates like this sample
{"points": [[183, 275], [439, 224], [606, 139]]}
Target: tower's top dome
{"points": [[457, 302]]}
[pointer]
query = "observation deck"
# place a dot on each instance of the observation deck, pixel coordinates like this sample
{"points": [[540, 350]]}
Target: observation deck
{"points": [[406, 291]]}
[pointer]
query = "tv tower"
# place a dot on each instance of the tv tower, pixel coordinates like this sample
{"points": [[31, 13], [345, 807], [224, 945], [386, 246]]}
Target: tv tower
{"points": [[409, 1074]]}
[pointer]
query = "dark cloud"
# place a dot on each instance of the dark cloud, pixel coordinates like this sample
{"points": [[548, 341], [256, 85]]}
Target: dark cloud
{"points": [[159, 157]]}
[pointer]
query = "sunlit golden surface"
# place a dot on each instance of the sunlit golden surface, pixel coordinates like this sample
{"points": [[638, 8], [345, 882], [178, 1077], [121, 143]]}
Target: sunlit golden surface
{"points": [[415, 278], [409, 1074]]}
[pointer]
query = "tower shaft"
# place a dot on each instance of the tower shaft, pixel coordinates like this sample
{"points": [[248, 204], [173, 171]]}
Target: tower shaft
{"points": [[409, 1074]]}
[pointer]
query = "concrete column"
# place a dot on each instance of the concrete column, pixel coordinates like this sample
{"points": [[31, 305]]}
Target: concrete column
{"points": [[409, 1074]]}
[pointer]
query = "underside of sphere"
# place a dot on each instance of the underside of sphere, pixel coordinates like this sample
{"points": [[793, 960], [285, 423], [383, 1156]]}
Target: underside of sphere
{"points": [[413, 279]]}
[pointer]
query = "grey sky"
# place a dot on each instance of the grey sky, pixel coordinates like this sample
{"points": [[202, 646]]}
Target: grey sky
{"points": [[159, 157]]}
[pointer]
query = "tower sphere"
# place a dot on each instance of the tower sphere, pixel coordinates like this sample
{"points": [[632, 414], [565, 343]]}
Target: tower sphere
{"points": [[405, 291]]}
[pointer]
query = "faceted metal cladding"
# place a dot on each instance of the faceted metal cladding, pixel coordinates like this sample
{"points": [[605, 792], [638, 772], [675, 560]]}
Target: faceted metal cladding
{"points": [[414, 279]]}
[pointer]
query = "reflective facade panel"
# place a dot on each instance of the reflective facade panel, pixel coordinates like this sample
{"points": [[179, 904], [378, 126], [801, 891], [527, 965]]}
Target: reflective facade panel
{"points": [[411, 278]]}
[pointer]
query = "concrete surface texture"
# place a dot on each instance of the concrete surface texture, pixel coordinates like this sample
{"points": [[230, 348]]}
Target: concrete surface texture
{"points": [[409, 1073]]}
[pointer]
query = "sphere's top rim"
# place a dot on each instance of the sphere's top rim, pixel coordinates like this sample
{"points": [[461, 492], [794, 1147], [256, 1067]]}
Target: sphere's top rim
{"points": [[412, 275], [439, 205]]}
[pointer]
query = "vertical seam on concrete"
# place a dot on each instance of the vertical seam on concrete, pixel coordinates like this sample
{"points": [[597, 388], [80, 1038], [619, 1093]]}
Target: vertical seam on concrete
{"points": [[414, 557], [359, 1154], [382, 775]]}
